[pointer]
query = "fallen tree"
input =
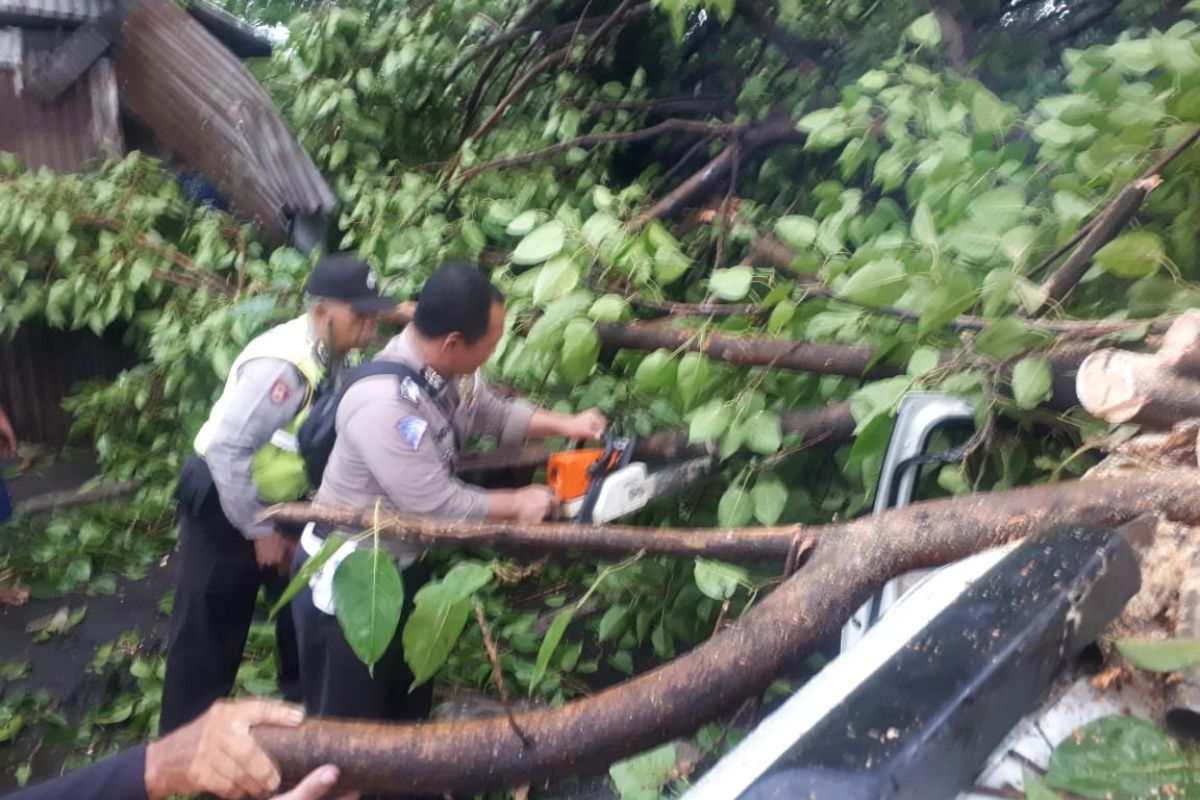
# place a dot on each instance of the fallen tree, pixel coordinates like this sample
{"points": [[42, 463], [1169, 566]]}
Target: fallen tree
{"points": [[1156, 390], [849, 562]]}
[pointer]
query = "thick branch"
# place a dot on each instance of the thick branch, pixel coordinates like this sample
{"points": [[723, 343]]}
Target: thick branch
{"points": [[1119, 386], [733, 544], [850, 562], [1108, 225], [750, 139], [956, 33], [825, 359], [826, 426]]}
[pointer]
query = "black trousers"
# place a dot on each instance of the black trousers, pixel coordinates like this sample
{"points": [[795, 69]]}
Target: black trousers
{"points": [[336, 683], [216, 586]]}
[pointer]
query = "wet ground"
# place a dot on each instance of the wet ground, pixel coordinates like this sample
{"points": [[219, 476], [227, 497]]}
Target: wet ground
{"points": [[60, 666]]}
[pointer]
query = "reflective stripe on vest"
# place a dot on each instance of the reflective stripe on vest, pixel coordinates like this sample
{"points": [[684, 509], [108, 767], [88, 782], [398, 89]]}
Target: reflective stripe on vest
{"points": [[277, 468]]}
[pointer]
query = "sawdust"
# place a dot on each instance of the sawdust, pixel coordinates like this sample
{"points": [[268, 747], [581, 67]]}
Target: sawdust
{"points": [[1172, 559]]}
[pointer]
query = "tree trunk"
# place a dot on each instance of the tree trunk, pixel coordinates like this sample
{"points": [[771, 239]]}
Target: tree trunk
{"points": [[826, 359], [1119, 386], [826, 426], [1180, 349], [730, 544], [850, 561]]}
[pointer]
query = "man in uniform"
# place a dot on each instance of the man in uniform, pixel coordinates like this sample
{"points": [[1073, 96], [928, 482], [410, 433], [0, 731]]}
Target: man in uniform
{"points": [[398, 439], [246, 457]]}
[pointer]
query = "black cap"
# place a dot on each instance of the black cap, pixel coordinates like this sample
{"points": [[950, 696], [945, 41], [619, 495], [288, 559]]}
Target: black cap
{"points": [[346, 277]]}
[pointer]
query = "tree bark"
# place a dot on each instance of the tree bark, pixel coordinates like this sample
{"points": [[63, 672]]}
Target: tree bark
{"points": [[1107, 226], [956, 34], [850, 561], [1180, 350], [730, 544], [1119, 386], [826, 359]]}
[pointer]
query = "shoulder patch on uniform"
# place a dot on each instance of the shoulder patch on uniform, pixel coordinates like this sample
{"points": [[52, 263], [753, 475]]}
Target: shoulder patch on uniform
{"points": [[412, 430], [280, 392], [409, 391]]}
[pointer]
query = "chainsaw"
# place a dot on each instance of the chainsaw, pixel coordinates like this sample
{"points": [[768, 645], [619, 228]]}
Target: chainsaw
{"points": [[594, 485]]}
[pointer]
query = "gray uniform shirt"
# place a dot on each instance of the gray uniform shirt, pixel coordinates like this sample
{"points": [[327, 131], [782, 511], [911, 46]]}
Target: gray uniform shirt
{"points": [[398, 444], [268, 395]]}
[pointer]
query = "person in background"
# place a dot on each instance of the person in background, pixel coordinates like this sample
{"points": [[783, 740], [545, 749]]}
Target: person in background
{"points": [[8, 449], [215, 755], [399, 440], [246, 457]]}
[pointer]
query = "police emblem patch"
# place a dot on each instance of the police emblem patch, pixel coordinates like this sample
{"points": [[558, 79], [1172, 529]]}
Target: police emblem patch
{"points": [[409, 390], [280, 392], [412, 430]]}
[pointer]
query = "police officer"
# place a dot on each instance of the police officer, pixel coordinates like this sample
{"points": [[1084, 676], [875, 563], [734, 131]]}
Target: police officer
{"points": [[246, 457], [398, 439]]}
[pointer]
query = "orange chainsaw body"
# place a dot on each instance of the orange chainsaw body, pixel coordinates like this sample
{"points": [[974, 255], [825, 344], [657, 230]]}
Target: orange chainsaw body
{"points": [[569, 473]]}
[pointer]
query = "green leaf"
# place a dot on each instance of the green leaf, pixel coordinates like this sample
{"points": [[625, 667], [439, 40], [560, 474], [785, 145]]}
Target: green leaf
{"points": [[923, 360], [440, 612], [762, 433], [954, 296], [1035, 789], [796, 232], [1008, 336], [876, 283], [524, 223], [368, 593], [1160, 655], [609, 308], [732, 283], [1132, 255], [599, 227], [708, 422], [301, 578], [736, 507], [691, 379], [1032, 382], [1134, 56], [555, 278], [719, 580], [923, 228], [581, 347], [643, 777], [991, 115], [612, 624], [13, 670], [549, 644], [925, 31], [998, 209], [656, 371], [542, 244], [670, 264], [770, 497], [1122, 758]]}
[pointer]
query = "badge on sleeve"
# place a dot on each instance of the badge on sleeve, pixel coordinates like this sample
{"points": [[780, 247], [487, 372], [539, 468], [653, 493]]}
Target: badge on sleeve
{"points": [[280, 392], [409, 391], [412, 430]]}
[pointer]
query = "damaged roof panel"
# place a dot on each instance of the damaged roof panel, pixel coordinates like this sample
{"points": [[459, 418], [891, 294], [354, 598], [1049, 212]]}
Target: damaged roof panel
{"points": [[209, 109]]}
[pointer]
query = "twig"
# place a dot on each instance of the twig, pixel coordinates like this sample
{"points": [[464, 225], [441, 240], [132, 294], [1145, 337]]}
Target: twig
{"points": [[725, 203], [498, 676], [594, 139], [612, 20], [548, 61], [721, 617]]}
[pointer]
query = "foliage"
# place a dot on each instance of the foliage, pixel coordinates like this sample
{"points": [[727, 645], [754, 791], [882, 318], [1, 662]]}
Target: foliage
{"points": [[1124, 758], [523, 136]]}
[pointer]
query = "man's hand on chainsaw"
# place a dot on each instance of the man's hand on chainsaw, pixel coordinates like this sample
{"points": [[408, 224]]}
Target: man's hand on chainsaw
{"points": [[588, 424], [535, 503]]}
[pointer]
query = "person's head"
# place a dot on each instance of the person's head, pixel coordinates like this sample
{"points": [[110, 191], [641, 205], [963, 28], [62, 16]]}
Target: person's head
{"points": [[342, 301], [460, 317]]}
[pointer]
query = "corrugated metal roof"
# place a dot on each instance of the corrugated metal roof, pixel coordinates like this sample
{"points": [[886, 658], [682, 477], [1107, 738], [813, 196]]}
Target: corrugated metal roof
{"points": [[239, 37], [209, 110], [38, 367], [33, 12], [78, 127]]}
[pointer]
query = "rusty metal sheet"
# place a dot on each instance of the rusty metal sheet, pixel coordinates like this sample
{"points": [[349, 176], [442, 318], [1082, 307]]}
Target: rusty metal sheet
{"points": [[40, 12], [79, 127], [207, 108], [38, 368]]}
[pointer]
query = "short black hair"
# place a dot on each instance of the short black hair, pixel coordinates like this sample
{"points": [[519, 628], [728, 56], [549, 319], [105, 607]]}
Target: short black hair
{"points": [[457, 298]]}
